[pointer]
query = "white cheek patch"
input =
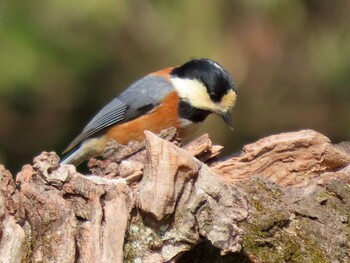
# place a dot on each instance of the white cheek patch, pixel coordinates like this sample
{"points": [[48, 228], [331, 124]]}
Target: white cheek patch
{"points": [[194, 92]]}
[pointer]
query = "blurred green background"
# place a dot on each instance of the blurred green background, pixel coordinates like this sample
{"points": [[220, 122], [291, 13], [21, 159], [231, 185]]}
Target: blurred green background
{"points": [[61, 60]]}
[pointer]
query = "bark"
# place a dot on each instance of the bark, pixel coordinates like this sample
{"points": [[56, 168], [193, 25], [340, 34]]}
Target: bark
{"points": [[284, 198]]}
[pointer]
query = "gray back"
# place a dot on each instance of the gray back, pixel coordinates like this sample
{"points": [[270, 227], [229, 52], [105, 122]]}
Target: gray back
{"points": [[139, 98]]}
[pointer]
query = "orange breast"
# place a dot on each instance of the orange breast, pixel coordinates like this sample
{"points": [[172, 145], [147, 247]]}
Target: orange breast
{"points": [[164, 116]]}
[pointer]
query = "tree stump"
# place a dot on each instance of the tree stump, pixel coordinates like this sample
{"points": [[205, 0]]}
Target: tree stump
{"points": [[284, 198]]}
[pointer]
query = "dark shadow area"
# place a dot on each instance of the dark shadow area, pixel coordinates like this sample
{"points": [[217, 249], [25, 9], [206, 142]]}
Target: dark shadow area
{"points": [[205, 252]]}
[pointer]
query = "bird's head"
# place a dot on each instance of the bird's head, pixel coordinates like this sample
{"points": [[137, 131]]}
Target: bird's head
{"points": [[204, 85]]}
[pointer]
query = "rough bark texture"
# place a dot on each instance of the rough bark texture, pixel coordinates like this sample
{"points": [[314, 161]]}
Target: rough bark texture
{"points": [[285, 198]]}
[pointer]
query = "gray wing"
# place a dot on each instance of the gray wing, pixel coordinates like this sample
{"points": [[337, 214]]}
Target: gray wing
{"points": [[139, 98], [144, 95], [113, 112]]}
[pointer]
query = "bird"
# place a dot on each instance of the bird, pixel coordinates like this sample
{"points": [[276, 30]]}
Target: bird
{"points": [[180, 97]]}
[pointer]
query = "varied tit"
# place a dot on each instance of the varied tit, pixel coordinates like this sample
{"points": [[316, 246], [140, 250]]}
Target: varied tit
{"points": [[177, 97]]}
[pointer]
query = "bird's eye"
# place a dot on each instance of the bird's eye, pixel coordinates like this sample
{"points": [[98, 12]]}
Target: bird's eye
{"points": [[213, 96]]}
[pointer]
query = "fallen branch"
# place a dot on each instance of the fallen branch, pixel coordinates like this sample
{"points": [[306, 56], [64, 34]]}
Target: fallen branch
{"points": [[284, 199]]}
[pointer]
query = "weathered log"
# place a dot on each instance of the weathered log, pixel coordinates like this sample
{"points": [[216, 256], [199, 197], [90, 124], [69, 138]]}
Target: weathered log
{"points": [[285, 198]]}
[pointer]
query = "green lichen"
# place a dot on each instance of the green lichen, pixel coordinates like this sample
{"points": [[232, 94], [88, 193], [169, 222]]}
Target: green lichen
{"points": [[28, 244], [132, 247], [322, 197], [267, 234], [139, 239], [282, 247]]}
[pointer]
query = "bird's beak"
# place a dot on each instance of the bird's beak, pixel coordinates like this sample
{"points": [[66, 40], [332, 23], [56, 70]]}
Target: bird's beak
{"points": [[227, 117]]}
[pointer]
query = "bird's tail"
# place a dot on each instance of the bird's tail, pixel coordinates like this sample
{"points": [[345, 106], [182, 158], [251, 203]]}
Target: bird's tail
{"points": [[88, 149], [73, 157]]}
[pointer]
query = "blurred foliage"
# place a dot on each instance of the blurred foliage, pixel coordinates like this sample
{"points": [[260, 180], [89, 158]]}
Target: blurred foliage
{"points": [[62, 60]]}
